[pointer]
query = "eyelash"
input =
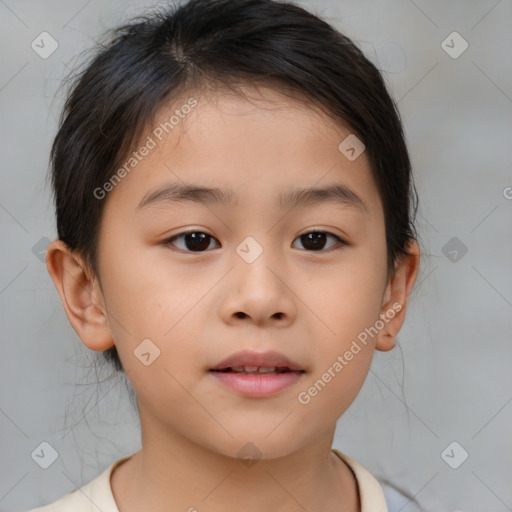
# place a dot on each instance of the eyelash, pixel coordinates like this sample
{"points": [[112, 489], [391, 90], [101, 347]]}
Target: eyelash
{"points": [[341, 243]]}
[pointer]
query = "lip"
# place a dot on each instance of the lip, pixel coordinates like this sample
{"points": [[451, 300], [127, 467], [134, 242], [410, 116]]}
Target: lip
{"points": [[265, 359], [258, 384]]}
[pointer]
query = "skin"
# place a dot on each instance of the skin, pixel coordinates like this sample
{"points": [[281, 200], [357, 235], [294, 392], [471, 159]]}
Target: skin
{"points": [[187, 304]]}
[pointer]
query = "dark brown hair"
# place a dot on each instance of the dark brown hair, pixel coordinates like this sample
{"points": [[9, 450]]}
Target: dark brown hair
{"points": [[156, 58]]}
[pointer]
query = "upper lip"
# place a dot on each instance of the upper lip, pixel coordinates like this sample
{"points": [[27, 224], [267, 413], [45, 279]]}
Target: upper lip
{"points": [[260, 359]]}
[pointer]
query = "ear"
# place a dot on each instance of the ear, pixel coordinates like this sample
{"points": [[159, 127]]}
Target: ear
{"points": [[396, 297], [81, 296]]}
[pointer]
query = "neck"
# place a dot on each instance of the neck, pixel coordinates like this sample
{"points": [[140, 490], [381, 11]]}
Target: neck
{"points": [[174, 474]]}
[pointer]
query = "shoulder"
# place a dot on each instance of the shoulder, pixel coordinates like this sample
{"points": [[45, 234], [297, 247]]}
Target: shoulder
{"points": [[370, 492], [93, 496]]}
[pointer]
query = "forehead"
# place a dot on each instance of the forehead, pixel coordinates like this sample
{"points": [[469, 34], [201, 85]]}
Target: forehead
{"points": [[258, 146]]}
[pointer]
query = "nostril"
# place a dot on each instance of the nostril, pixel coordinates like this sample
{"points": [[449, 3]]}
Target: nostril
{"points": [[241, 314]]}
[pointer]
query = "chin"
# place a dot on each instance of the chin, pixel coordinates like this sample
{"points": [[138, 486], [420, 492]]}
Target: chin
{"points": [[252, 446]]}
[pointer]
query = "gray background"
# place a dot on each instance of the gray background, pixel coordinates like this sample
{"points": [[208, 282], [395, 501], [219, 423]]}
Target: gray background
{"points": [[454, 382]]}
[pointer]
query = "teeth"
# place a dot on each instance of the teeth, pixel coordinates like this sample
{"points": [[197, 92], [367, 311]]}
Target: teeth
{"points": [[253, 369], [266, 370]]}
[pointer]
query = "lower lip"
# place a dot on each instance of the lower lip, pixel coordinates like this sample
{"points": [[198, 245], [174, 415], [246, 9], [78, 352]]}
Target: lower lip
{"points": [[259, 384]]}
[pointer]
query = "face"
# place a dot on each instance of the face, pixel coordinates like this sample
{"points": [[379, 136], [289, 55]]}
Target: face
{"points": [[250, 278]]}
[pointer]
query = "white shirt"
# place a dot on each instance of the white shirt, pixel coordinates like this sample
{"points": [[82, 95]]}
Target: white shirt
{"points": [[97, 494]]}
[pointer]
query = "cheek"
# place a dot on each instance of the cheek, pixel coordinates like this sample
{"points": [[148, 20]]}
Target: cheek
{"points": [[147, 298], [346, 299], [144, 292], [335, 382]]}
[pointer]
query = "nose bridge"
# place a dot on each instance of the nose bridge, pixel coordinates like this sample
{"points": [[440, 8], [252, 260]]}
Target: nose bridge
{"points": [[254, 263], [257, 289]]}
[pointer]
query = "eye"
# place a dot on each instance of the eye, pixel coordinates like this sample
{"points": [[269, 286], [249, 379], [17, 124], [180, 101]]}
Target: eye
{"points": [[198, 241], [316, 240], [194, 241]]}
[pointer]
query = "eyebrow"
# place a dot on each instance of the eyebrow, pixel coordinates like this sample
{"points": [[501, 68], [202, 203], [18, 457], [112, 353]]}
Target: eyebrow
{"points": [[336, 193]]}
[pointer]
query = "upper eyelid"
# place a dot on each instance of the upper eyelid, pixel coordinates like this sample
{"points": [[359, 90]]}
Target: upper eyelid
{"points": [[313, 230]]}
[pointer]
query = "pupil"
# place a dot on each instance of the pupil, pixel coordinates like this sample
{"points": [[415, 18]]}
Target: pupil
{"points": [[197, 241], [316, 239]]}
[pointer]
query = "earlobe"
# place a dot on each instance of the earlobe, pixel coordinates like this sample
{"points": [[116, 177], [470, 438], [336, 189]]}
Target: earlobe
{"points": [[385, 341], [396, 297], [81, 296]]}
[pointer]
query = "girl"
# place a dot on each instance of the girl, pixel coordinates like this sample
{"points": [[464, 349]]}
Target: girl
{"points": [[235, 222]]}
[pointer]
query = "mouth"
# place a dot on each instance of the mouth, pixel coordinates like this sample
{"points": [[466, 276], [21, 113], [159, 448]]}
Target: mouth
{"points": [[257, 374], [258, 370], [258, 362]]}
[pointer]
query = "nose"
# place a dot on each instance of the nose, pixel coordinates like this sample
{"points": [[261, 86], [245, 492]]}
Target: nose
{"points": [[259, 293]]}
